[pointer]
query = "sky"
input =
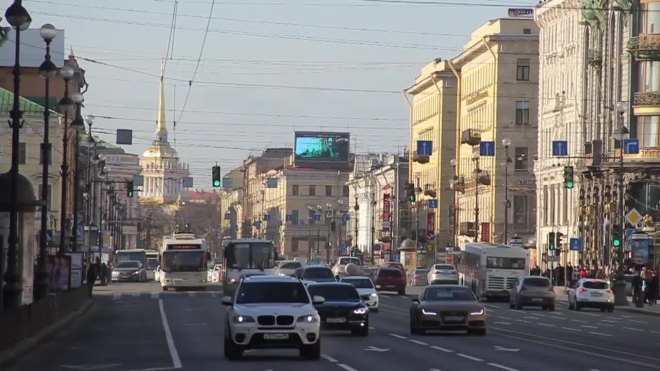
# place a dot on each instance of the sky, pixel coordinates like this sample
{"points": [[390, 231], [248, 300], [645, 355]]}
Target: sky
{"points": [[264, 69]]}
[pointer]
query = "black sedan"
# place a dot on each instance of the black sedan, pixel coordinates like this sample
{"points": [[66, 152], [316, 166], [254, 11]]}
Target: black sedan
{"points": [[342, 309]]}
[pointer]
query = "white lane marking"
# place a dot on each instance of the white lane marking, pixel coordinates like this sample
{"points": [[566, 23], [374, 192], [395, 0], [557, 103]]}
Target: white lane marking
{"points": [[176, 361], [585, 326], [116, 296], [442, 349], [398, 336], [579, 321], [492, 306], [519, 320], [571, 329], [504, 317], [593, 369], [434, 369], [608, 321], [418, 342], [156, 369], [346, 367], [632, 329], [502, 323], [469, 357], [600, 334], [191, 294], [197, 324], [632, 320], [328, 358], [154, 295], [534, 318], [546, 325], [371, 328], [654, 332], [502, 367], [136, 294]]}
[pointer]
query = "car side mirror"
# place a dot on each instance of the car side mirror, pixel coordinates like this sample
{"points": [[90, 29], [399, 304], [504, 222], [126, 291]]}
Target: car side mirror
{"points": [[415, 300], [227, 301], [318, 300]]}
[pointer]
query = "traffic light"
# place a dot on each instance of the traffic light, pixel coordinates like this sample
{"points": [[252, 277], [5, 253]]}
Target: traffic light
{"points": [[558, 242], [410, 192], [551, 241], [616, 236], [569, 181], [129, 189], [216, 176]]}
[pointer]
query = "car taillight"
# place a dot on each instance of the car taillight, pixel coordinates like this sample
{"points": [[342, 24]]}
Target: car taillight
{"points": [[552, 289], [610, 292], [455, 273], [416, 277], [581, 290], [523, 288]]}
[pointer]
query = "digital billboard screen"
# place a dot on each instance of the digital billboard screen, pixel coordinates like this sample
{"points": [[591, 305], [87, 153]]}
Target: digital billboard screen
{"points": [[321, 147]]}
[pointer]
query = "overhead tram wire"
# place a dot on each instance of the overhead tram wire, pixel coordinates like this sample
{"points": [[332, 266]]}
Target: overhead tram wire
{"points": [[170, 40], [199, 61]]}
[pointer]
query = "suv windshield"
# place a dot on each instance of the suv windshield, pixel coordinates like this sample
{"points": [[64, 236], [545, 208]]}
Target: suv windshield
{"points": [[311, 273], [359, 283], [272, 292], [135, 265], [334, 292], [389, 273], [291, 265], [536, 282], [448, 294], [596, 285]]}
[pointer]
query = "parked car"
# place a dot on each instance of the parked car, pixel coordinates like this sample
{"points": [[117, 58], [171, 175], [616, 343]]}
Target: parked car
{"points": [[391, 279]]}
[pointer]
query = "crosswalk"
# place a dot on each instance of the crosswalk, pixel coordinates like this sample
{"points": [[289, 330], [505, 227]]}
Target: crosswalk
{"points": [[158, 295]]}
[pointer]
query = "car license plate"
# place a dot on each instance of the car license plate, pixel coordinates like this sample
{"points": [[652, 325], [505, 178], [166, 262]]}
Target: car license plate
{"points": [[596, 294], [276, 336], [336, 320], [454, 318], [537, 300]]}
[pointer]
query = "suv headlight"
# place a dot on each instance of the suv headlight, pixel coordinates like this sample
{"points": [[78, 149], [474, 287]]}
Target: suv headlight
{"points": [[310, 318], [360, 311], [374, 295], [242, 319]]}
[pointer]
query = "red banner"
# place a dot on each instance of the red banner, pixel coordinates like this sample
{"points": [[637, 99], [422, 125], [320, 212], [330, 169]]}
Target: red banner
{"points": [[386, 214], [430, 225], [485, 232]]}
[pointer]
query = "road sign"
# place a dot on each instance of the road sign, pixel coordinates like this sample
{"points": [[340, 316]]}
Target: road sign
{"points": [[633, 217], [553, 259], [487, 149], [575, 244], [639, 235], [516, 242], [559, 148], [424, 147], [317, 217], [266, 217], [433, 203], [449, 260], [629, 232], [346, 217], [631, 146]]}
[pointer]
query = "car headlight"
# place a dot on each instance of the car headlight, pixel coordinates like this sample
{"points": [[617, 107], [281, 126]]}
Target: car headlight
{"points": [[429, 312], [374, 295], [242, 319], [360, 311], [136, 272], [310, 318], [377, 287], [478, 312], [232, 280]]}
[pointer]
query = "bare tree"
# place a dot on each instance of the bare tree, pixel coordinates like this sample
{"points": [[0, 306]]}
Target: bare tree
{"points": [[158, 221], [204, 220]]}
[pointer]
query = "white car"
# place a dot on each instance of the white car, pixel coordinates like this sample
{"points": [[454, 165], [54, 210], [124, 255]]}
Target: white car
{"points": [[365, 287], [272, 312], [215, 273], [591, 293], [157, 274], [288, 268]]}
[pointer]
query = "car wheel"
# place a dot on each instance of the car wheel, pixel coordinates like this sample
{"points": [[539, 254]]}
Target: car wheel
{"points": [[164, 288], [311, 352], [413, 328], [519, 306], [544, 307], [232, 351], [551, 308], [577, 306], [402, 292], [570, 305], [610, 309], [362, 332], [477, 332]]}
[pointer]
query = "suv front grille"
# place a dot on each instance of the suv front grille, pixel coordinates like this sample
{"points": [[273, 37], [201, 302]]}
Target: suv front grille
{"points": [[284, 320], [266, 320]]}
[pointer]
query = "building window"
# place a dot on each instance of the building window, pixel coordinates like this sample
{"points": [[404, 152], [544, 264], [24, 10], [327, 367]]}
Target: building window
{"points": [[295, 216], [527, 31], [650, 13], [312, 190], [294, 244], [295, 190], [310, 216], [522, 156], [50, 156], [649, 76], [22, 153], [522, 112], [49, 201], [328, 191], [520, 210], [648, 131], [522, 69], [346, 191]]}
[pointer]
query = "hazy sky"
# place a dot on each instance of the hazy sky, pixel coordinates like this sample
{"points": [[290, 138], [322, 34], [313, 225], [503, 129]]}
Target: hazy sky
{"points": [[268, 68]]}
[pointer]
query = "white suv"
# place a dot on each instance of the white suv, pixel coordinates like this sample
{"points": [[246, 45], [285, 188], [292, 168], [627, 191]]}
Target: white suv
{"points": [[591, 293], [269, 312]]}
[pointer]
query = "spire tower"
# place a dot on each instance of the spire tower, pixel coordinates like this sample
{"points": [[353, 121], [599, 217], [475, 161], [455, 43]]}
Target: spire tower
{"points": [[161, 125]]}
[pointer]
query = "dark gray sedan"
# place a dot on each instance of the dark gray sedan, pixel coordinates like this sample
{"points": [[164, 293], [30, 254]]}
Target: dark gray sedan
{"points": [[532, 291]]}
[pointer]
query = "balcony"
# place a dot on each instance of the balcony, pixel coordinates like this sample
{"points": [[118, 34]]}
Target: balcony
{"points": [[595, 59], [647, 99], [645, 47]]}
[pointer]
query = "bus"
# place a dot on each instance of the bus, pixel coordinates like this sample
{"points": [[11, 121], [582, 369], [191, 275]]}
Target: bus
{"points": [[246, 256], [490, 270], [152, 263], [183, 262], [139, 255]]}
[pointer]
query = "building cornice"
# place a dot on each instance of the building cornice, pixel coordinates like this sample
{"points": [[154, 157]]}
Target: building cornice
{"points": [[429, 81]]}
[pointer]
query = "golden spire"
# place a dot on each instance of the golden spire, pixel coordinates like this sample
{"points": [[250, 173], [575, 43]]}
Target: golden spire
{"points": [[161, 126]]}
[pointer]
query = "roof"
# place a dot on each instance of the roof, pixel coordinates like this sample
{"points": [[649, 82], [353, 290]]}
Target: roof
{"points": [[28, 107], [196, 194]]}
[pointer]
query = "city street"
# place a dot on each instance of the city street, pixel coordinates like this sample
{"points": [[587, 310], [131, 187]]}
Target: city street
{"points": [[136, 326]]}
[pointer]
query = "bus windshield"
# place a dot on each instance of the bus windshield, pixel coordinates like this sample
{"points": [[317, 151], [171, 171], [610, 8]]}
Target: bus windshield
{"points": [[152, 263], [139, 256], [495, 262], [253, 255], [183, 261]]}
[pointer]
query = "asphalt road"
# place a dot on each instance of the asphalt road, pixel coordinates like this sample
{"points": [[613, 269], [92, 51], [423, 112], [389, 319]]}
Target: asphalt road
{"points": [[137, 327]]}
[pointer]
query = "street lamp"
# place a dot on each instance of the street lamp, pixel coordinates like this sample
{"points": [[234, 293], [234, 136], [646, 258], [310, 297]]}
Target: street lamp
{"points": [[47, 70], [476, 173], [66, 104], [19, 19], [452, 184], [78, 125], [356, 208], [102, 174], [506, 142], [619, 135]]}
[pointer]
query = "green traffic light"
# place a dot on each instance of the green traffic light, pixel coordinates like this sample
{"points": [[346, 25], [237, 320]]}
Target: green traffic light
{"points": [[130, 194], [216, 183], [616, 243], [569, 185]]}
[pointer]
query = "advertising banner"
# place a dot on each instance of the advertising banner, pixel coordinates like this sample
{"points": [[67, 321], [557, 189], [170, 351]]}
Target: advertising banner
{"points": [[640, 251], [60, 272], [387, 204], [76, 275], [321, 148], [430, 225]]}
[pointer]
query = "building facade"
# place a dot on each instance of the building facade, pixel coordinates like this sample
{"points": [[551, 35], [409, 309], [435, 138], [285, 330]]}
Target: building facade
{"points": [[382, 218], [497, 75], [563, 103], [433, 119], [231, 204]]}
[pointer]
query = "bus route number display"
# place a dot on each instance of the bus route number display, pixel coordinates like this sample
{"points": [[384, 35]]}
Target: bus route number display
{"points": [[183, 247]]}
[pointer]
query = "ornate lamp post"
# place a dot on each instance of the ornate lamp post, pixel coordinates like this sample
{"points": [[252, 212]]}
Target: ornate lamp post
{"points": [[66, 104], [78, 125], [506, 142]]}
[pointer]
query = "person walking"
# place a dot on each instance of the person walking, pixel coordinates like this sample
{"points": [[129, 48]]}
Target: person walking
{"points": [[92, 275]]}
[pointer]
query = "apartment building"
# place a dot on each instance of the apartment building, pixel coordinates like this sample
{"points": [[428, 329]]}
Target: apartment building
{"points": [[497, 75], [432, 102], [231, 204]]}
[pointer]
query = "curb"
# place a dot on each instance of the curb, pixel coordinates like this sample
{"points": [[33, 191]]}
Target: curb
{"points": [[11, 355], [630, 310]]}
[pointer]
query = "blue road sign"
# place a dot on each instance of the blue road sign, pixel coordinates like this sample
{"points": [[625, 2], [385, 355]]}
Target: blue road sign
{"points": [[424, 147], [344, 249], [317, 217], [575, 244], [266, 217], [559, 148], [347, 217], [629, 232], [289, 217], [487, 149], [631, 146], [433, 203]]}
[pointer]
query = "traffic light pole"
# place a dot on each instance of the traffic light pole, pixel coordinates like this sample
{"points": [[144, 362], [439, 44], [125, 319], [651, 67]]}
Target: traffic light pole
{"points": [[620, 297]]}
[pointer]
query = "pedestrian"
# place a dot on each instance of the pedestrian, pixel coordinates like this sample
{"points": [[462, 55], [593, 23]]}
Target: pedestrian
{"points": [[637, 289], [654, 287], [92, 275]]}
